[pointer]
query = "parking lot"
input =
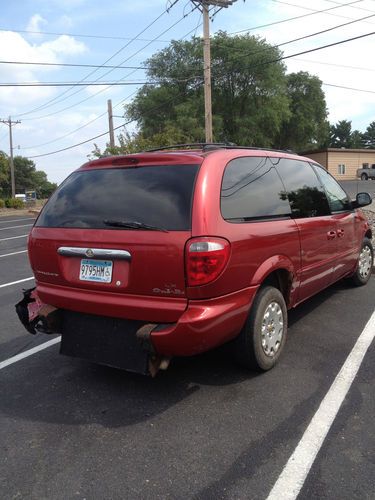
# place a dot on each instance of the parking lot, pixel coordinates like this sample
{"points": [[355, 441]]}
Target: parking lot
{"points": [[204, 429]]}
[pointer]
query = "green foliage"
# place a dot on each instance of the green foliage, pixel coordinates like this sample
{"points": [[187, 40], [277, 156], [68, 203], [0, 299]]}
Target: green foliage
{"points": [[26, 177], [2, 203], [14, 203], [369, 136], [249, 98], [340, 134], [306, 126]]}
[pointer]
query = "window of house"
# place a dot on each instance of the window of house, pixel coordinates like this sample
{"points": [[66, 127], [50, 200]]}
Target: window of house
{"points": [[341, 169]]}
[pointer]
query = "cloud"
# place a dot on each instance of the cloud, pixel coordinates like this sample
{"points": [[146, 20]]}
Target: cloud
{"points": [[35, 23], [13, 47]]}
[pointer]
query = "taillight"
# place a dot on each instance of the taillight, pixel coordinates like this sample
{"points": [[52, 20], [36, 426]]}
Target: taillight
{"points": [[205, 259]]}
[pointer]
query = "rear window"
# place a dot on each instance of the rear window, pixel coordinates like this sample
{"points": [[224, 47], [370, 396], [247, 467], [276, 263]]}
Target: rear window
{"points": [[159, 196]]}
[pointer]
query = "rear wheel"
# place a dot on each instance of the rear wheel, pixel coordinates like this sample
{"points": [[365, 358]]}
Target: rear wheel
{"points": [[263, 337], [364, 177], [364, 265]]}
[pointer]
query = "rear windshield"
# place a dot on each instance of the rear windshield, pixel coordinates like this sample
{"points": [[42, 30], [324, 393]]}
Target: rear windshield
{"points": [[159, 196]]}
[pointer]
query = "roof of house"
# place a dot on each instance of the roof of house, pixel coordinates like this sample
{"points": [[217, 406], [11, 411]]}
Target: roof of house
{"points": [[338, 150]]}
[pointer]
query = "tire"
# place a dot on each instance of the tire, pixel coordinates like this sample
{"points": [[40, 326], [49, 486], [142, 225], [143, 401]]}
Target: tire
{"points": [[252, 348], [364, 177], [364, 265]]}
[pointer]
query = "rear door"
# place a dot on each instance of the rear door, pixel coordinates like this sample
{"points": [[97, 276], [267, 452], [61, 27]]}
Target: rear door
{"points": [[119, 230], [317, 228]]}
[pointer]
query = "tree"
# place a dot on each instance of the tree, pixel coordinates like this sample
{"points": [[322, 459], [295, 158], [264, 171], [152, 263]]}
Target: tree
{"points": [[26, 177], [340, 134], [369, 136], [4, 175], [306, 126], [249, 96], [357, 140]]}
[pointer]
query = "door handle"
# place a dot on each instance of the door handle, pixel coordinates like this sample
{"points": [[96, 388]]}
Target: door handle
{"points": [[340, 233], [331, 235]]}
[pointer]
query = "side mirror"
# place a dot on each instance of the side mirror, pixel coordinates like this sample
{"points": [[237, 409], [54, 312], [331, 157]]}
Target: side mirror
{"points": [[362, 200]]}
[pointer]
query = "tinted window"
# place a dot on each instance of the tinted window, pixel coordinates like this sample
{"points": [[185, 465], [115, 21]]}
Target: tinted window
{"points": [[305, 193], [251, 189], [338, 199], [155, 195]]}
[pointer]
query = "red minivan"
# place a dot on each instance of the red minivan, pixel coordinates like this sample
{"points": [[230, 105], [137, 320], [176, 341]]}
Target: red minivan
{"points": [[142, 257]]}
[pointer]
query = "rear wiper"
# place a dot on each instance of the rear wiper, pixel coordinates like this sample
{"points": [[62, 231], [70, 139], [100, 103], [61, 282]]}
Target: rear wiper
{"points": [[132, 225]]}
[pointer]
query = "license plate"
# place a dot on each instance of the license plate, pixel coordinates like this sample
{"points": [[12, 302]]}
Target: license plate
{"points": [[96, 270]]}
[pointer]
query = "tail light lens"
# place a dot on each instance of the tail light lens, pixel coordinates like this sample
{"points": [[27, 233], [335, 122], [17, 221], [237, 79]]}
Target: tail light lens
{"points": [[205, 259]]}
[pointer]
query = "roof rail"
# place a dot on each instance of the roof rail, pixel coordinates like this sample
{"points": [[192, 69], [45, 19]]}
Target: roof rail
{"points": [[209, 146], [200, 145]]}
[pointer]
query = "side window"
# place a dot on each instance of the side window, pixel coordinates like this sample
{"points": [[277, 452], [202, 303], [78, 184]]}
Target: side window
{"points": [[252, 189], [337, 198], [305, 193]]}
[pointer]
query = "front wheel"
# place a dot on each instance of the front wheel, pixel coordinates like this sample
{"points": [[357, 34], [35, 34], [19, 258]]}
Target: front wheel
{"points": [[364, 264], [364, 177], [262, 339]]}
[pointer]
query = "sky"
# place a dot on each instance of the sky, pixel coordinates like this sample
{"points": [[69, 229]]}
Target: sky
{"points": [[123, 33]]}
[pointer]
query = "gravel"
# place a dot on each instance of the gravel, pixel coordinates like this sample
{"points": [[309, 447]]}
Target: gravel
{"points": [[370, 214]]}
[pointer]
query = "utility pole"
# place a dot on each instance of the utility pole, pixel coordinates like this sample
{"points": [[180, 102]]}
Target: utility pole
{"points": [[12, 178], [110, 121], [204, 6]]}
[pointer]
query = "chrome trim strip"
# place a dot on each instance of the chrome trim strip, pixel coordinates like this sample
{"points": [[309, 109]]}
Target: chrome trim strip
{"points": [[91, 253]]}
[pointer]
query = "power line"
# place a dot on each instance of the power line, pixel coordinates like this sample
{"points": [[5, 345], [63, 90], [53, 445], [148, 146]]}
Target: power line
{"points": [[100, 116], [79, 84], [301, 37], [296, 17], [152, 110], [267, 62], [359, 68], [348, 88], [129, 74], [80, 35], [145, 68], [350, 6], [103, 90], [105, 62], [71, 65], [314, 10], [81, 127]]}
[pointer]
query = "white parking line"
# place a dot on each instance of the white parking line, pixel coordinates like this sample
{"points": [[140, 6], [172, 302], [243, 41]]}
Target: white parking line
{"points": [[13, 253], [15, 282], [28, 353], [16, 220], [292, 478], [14, 237], [14, 227]]}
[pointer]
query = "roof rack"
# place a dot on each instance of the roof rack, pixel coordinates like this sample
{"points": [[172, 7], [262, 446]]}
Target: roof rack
{"points": [[209, 146], [200, 145]]}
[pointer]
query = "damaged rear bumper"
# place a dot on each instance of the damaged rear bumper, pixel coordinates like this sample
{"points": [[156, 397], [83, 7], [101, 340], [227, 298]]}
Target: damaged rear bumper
{"points": [[136, 345], [115, 342]]}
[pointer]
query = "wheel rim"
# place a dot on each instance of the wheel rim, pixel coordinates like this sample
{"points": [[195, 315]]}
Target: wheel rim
{"points": [[272, 329], [365, 262]]}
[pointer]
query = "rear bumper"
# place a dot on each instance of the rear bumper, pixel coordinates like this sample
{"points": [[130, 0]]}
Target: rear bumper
{"points": [[204, 325], [116, 305]]}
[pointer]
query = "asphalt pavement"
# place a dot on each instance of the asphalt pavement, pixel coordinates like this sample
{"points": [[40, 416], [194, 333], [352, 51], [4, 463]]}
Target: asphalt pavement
{"points": [[204, 429]]}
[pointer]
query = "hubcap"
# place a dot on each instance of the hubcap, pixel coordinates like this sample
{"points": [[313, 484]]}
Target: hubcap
{"points": [[365, 262], [272, 329]]}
